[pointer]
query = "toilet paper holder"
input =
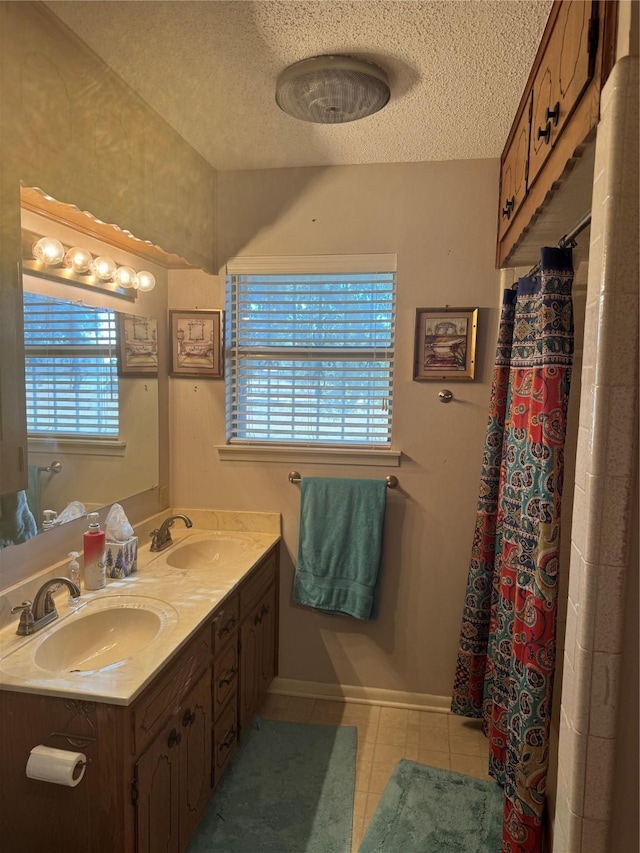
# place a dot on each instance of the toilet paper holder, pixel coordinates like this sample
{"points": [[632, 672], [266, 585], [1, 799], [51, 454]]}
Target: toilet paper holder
{"points": [[72, 740]]}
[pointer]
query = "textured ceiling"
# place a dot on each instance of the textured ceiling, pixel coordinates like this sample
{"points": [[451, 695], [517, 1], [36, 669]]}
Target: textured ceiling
{"points": [[457, 70]]}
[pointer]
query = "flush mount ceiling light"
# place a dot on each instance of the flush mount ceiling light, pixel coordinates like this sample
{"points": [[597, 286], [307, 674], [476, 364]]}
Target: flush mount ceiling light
{"points": [[332, 89]]}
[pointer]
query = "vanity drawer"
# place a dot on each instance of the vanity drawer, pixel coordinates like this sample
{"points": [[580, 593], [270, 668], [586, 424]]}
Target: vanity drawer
{"points": [[164, 699], [225, 623], [225, 738], [253, 588], [225, 678]]}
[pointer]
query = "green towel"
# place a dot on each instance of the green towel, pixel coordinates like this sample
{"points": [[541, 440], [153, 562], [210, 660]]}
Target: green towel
{"points": [[340, 550], [33, 493], [17, 524]]}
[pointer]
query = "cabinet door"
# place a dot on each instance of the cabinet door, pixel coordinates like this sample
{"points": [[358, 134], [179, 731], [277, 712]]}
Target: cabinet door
{"points": [[513, 172], [267, 642], [195, 757], [249, 667], [158, 807], [566, 68]]}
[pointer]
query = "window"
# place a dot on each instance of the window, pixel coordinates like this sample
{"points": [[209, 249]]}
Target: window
{"points": [[311, 351], [70, 369]]}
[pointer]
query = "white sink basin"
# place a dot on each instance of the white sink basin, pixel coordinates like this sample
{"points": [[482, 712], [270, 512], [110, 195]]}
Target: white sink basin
{"points": [[206, 550], [104, 633], [97, 640]]}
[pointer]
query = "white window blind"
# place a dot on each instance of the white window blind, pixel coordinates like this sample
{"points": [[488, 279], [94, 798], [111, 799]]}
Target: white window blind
{"points": [[70, 369], [310, 355]]}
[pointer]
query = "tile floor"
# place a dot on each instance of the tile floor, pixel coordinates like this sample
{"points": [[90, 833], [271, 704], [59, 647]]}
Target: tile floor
{"points": [[385, 735]]}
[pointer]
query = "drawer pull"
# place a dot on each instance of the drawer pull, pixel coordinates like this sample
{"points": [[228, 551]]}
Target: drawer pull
{"points": [[228, 740], [257, 619], [228, 677], [174, 738], [189, 717], [507, 210], [545, 134], [265, 609], [554, 114], [228, 626]]}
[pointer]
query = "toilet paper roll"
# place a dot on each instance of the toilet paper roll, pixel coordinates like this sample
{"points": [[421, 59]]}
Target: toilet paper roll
{"points": [[59, 766]]}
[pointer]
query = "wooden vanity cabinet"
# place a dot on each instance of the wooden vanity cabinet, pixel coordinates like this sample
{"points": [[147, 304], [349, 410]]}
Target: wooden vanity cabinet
{"points": [[558, 111], [153, 764]]}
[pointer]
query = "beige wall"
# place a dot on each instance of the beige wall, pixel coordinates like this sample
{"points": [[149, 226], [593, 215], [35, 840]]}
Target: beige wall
{"points": [[440, 219]]}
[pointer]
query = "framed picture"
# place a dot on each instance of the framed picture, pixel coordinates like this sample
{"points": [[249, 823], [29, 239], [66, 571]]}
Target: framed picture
{"points": [[137, 348], [445, 346], [196, 344]]}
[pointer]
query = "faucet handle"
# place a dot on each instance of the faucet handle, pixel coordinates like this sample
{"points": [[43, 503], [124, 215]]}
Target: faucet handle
{"points": [[26, 617]]}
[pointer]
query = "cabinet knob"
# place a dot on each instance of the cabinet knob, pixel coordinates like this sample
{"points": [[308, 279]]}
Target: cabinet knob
{"points": [[546, 133], [507, 210], [228, 677], [554, 114], [228, 626], [228, 740], [174, 738], [257, 619], [189, 717]]}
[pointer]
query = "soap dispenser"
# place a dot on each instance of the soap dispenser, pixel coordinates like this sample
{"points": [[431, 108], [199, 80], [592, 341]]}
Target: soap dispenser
{"points": [[74, 573], [94, 568]]}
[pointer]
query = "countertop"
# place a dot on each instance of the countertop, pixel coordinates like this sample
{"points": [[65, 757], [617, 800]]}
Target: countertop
{"points": [[187, 598]]}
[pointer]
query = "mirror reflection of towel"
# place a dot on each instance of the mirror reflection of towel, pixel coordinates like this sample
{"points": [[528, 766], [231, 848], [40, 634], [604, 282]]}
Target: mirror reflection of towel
{"points": [[17, 523]]}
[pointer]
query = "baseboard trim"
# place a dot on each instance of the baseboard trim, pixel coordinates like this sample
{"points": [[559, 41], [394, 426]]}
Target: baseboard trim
{"points": [[360, 695]]}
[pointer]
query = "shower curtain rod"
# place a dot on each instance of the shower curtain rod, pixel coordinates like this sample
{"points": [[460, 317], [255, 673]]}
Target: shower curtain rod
{"points": [[568, 241]]}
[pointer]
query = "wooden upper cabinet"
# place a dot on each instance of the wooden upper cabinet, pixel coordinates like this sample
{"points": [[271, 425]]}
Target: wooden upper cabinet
{"points": [[564, 73], [513, 175], [559, 109]]}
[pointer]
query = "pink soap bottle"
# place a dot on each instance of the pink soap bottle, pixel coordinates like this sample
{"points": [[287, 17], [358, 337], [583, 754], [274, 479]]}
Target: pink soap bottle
{"points": [[94, 568]]}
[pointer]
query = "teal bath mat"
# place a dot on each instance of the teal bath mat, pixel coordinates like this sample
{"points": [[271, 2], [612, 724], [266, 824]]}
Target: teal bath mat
{"points": [[428, 810], [289, 789]]}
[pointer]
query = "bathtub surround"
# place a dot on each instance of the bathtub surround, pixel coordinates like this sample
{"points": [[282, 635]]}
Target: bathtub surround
{"points": [[509, 682], [429, 808], [290, 787], [341, 528]]}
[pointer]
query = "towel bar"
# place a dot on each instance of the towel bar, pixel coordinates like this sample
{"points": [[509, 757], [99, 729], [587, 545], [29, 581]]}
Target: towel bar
{"points": [[391, 481]]}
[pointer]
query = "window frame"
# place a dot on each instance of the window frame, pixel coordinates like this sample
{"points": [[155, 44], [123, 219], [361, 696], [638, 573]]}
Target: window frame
{"points": [[358, 452]]}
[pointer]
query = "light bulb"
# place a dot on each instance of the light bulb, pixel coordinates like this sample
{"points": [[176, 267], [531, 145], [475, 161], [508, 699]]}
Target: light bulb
{"points": [[48, 251], [103, 268], [146, 281], [78, 259], [125, 277]]}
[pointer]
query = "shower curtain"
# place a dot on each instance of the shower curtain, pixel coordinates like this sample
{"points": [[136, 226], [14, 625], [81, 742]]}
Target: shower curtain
{"points": [[506, 660]]}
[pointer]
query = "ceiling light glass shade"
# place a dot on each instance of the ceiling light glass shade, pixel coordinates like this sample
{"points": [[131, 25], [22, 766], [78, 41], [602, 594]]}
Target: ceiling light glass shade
{"points": [[48, 251], [103, 268], [332, 89], [78, 259], [125, 277], [146, 281]]}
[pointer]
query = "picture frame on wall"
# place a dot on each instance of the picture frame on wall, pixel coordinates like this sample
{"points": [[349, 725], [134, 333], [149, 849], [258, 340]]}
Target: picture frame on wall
{"points": [[137, 348], [445, 344], [196, 339]]}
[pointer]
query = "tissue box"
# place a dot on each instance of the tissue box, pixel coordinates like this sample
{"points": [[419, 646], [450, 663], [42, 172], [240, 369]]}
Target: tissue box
{"points": [[121, 558]]}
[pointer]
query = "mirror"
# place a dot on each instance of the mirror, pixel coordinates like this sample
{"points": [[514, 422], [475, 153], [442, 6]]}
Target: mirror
{"points": [[92, 410]]}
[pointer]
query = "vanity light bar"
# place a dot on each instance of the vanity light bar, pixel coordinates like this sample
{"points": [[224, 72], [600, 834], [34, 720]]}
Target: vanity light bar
{"points": [[79, 261]]}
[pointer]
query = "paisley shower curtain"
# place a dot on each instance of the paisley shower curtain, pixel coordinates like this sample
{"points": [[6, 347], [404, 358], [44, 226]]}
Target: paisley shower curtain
{"points": [[506, 660]]}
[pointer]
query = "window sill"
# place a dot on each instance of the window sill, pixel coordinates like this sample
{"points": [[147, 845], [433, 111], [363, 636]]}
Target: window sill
{"points": [[318, 455], [77, 446]]}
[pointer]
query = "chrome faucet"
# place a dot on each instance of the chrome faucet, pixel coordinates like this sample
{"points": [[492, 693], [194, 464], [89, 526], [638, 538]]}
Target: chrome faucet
{"points": [[161, 538], [43, 611]]}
